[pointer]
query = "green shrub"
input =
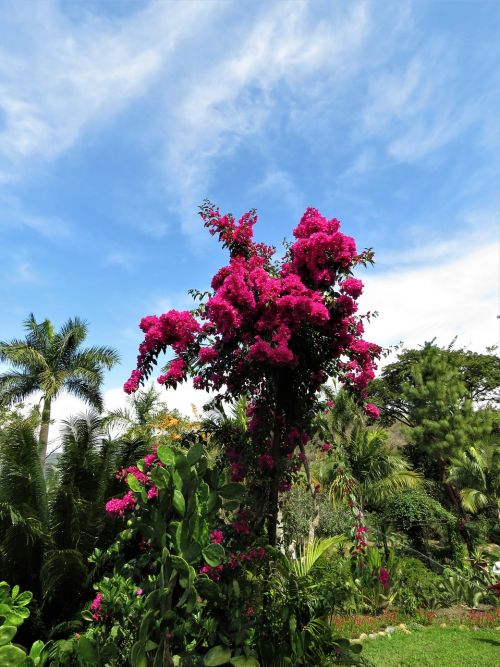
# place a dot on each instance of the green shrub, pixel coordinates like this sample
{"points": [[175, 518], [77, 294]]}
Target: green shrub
{"points": [[418, 586], [13, 612]]}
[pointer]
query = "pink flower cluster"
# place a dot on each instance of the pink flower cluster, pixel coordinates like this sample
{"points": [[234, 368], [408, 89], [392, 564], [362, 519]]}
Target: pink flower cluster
{"points": [[321, 252], [216, 537], [384, 578], [121, 506], [132, 470], [372, 411], [241, 523], [250, 556], [96, 606], [175, 329]]}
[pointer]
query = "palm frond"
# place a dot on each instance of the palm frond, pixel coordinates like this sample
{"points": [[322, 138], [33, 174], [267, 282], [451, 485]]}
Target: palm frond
{"points": [[309, 555]]}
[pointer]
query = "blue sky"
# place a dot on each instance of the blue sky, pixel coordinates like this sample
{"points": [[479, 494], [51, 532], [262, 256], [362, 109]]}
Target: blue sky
{"points": [[118, 118]]}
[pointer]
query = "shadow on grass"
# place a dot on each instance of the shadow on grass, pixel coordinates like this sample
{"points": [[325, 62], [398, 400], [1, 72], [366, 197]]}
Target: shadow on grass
{"points": [[493, 642]]}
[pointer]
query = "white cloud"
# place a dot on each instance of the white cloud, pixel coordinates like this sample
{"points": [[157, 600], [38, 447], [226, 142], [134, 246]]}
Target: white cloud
{"points": [[458, 296], [286, 45], [184, 399], [58, 76]]}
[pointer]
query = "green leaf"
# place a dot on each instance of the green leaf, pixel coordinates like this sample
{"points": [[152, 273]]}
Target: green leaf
{"points": [[24, 599], [244, 661], [214, 554], [213, 502], [195, 453], [12, 656], [232, 491], [36, 649], [15, 592], [6, 633], [134, 483], [87, 615], [86, 649], [145, 626], [179, 503], [207, 588], [138, 655], [218, 655], [14, 618], [166, 455]]}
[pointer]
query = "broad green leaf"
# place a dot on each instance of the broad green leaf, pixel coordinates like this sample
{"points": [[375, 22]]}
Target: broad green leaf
{"points": [[36, 649], [245, 661], [195, 454], [214, 554], [218, 655], [134, 483], [87, 650], [166, 455], [207, 588], [15, 592], [12, 656], [138, 655], [179, 503], [232, 491], [7, 632]]}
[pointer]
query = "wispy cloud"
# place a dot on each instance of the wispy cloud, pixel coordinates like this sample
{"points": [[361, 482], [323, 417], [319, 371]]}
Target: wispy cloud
{"points": [[285, 46], [58, 76], [13, 214], [414, 106]]}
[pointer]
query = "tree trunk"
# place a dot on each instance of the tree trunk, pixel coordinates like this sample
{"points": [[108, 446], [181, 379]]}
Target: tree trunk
{"points": [[273, 508], [44, 431]]}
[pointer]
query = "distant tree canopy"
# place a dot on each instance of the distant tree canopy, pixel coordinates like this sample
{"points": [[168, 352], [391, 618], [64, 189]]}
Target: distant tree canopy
{"points": [[478, 373]]}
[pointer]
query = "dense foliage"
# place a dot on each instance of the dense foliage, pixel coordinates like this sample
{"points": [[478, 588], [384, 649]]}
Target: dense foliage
{"points": [[261, 532]]}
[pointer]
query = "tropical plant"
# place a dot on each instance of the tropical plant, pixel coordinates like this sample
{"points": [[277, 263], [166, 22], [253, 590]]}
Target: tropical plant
{"points": [[294, 625], [476, 473], [361, 453], [13, 612], [49, 362], [23, 503]]}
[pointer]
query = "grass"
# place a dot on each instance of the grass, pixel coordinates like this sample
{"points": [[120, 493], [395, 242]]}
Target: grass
{"points": [[428, 647]]}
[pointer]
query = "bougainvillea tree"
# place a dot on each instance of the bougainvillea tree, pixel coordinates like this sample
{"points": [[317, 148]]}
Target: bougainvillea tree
{"points": [[273, 330]]}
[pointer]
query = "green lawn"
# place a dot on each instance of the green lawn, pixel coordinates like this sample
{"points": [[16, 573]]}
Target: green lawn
{"points": [[435, 647]]}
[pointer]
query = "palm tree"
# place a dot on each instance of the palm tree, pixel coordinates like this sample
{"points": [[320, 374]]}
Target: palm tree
{"points": [[23, 503], [476, 472], [50, 362], [361, 455]]}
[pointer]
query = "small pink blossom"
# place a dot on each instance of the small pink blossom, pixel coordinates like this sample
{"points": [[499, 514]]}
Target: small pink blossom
{"points": [[216, 536]]}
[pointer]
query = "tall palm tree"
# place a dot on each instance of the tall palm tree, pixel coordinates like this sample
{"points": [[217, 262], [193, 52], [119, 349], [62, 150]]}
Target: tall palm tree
{"points": [[50, 362]]}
